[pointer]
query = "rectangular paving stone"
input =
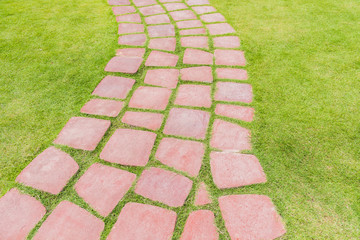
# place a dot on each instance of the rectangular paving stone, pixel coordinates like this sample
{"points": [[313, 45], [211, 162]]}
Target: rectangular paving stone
{"points": [[147, 120], [175, 6], [124, 64], [161, 59], [200, 225], [132, 39], [135, 18], [203, 9], [220, 28], [161, 31], [213, 17], [231, 73], [233, 92], [232, 111], [162, 77], [226, 42], [118, 2], [195, 31], [202, 196], [197, 2], [131, 52], [123, 10], [151, 10], [183, 15], [197, 74], [150, 98], [194, 95], [109, 108], [157, 19], [140, 3], [195, 42], [195, 56], [166, 1], [189, 24], [125, 28], [229, 57], [114, 87], [166, 44]]}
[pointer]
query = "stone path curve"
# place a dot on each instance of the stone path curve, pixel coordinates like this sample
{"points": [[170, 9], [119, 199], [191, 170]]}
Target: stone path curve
{"points": [[183, 119]]}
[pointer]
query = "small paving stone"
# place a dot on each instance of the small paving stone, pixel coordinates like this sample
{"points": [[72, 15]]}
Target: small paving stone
{"points": [[189, 24], [175, 6], [220, 28], [140, 3], [19, 214], [202, 196], [197, 74], [161, 31], [197, 2], [231, 170], [132, 40], [114, 87], [102, 187], [162, 77], [167, 1], [183, 155], [237, 112], [151, 10], [229, 57], [148, 120], [204, 9], [124, 64], [194, 95], [123, 10], [49, 171], [187, 123], [102, 107], [226, 42], [161, 59], [129, 147], [150, 98], [142, 221], [83, 133], [135, 18], [125, 28], [183, 15], [195, 42], [229, 136], [131, 52], [69, 221], [200, 225], [195, 31], [118, 2], [231, 73], [213, 17], [251, 217], [164, 186], [195, 56], [166, 44], [157, 19], [233, 92]]}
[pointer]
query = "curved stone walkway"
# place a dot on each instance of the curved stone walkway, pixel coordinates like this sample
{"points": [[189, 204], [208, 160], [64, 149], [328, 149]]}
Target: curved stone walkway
{"points": [[184, 118]]}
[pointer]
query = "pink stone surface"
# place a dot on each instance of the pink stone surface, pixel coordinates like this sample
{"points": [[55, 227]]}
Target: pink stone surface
{"points": [[194, 95], [19, 214], [131, 52], [204, 9], [195, 56], [159, 59], [140, 3], [132, 40], [213, 17], [202, 196], [69, 221], [148, 120], [123, 10], [164, 186], [183, 155], [229, 136], [49, 171], [110, 108], [220, 28], [251, 217], [162, 77], [237, 112], [125, 28], [231, 73], [189, 24], [200, 225], [231, 170], [195, 31], [102, 187], [161, 31], [114, 87], [197, 2], [175, 6], [229, 57], [233, 92], [142, 221], [129, 147], [118, 2], [166, 44], [124, 64], [195, 42], [187, 123], [150, 98], [197, 74], [83, 133], [157, 19], [151, 10], [135, 18], [226, 42], [166, 1], [182, 15]]}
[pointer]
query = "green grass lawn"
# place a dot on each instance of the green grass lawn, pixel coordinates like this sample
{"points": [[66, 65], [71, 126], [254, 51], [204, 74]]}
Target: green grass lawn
{"points": [[304, 65]]}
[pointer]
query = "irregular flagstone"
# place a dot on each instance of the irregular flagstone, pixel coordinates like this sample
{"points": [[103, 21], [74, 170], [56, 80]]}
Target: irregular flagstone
{"points": [[197, 74], [195, 56], [161, 30], [233, 111], [204, 9], [142, 221], [83, 133], [157, 19], [200, 225], [226, 42], [133, 40], [213, 17], [114, 87], [194, 95], [183, 15], [195, 42], [69, 221], [231, 73], [19, 214], [233, 92], [229, 57], [118, 2], [109, 108], [162, 77], [251, 217], [140, 3], [125, 28], [49, 171], [183, 155], [189, 24], [124, 64], [196, 31], [131, 52], [220, 28], [102, 187], [123, 10], [148, 120], [197, 2], [175, 6], [129, 147], [151, 10], [202, 196], [135, 18], [161, 59], [164, 186], [150, 98]]}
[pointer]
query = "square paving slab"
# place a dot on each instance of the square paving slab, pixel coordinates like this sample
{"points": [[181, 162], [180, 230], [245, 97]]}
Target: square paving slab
{"points": [[233, 92], [147, 120], [183, 15], [195, 31], [161, 31], [161, 59], [231, 73], [125, 28], [134, 18], [229, 57], [157, 19], [204, 9], [140, 3], [200, 225], [226, 42], [114, 87], [238, 112], [131, 52], [195, 42], [167, 44], [124, 64], [189, 24], [123, 10], [194, 95], [197, 74], [109, 108], [220, 28], [195, 56], [132, 39], [175, 6], [162, 77], [213, 17], [151, 10], [154, 98]]}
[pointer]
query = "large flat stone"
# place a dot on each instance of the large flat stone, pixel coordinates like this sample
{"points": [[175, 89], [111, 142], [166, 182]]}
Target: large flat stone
{"points": [[175, 6], [189, 24], [203, 9], [125, 28], [183, 15], [195, 31], [213, 17], [200, 225], [124, 64], [123, 10], [167, 44], [103, 107], [151, 10], [150, 98], [195, 56], [226, 42], [231, 73], [220, 28], [195, 42], [166, 30], [131, 52], [134, 18], [161, 59], [114, 87], [194, 95], [162, 77], [132, 39], [229, 57], [238, 112], [148, 120], [233, 92], [197, 74], [157, 19]]}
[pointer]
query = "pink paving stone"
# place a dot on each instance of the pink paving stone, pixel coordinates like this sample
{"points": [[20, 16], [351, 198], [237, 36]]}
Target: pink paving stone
{"points": [[140, 3], [197, 2], [151, 10], [200, 225], [19, 214], [251, 217], [197, 74], [125, 28], [102, 187], [195, 56], [237, 112], [231, 170], [229, 57], [142, 221], [194, 95], [150, 98], [195, 42], [229, 136], [129, 18], [161, 59], [164, 186], [49, 171], [182, 155], [102, 107], [202, 196], [118, 2], [157, 19], [220, 28], [123, 10], [162, 77], [231, 73], [213, 17], [148, 120], [114, 87], [69, 221], [124, 64], [204, 9], [226, 42], [187, 123], [175, 6], [132, 40], [161, 31], [129, 147], [131, 52], [83, 133], [196, 31], [233, 92], [167, 44], [189, 24], [183, 15], [166, 1]]}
